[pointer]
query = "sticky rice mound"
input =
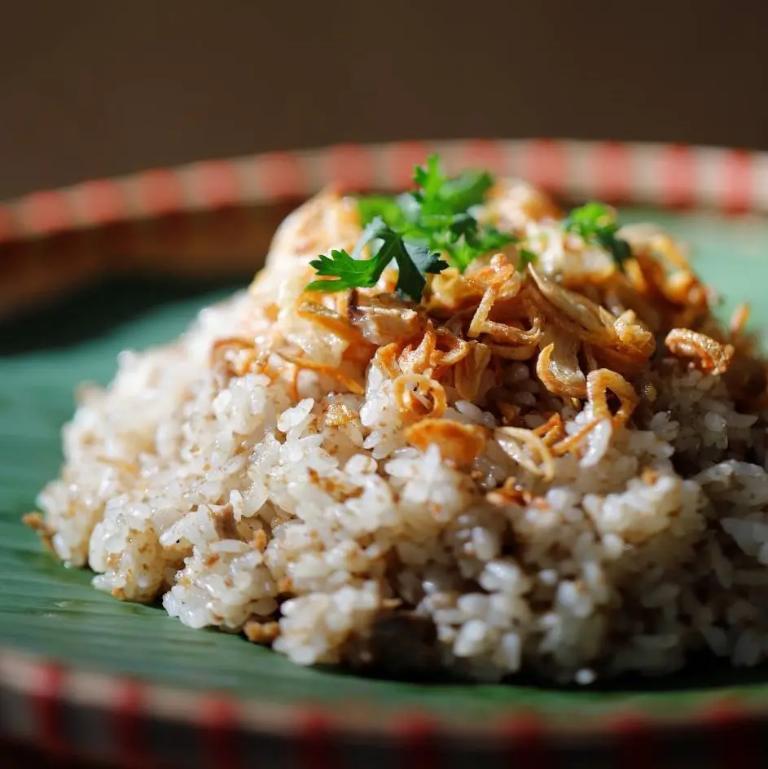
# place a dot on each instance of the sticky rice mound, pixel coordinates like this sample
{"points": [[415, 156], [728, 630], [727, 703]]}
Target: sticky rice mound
{"points": [[555, 467]]}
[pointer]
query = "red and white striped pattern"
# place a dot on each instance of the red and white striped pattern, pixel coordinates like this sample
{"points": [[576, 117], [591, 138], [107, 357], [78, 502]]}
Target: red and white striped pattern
{"points": [[734, 181], [138, 725]]}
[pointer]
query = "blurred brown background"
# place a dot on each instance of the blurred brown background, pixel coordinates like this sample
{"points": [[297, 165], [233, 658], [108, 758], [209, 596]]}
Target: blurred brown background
{"points": [[99, 88]]}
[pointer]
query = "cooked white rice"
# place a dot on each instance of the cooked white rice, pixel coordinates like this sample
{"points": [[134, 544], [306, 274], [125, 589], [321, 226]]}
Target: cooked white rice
{"points": [[306, 519]]}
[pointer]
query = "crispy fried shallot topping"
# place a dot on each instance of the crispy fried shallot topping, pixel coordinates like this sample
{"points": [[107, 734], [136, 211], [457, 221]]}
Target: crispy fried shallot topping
{"points": [[418, 396], [583, 318], [531, 334], [459, 443], [599, 384], [419, 360], [520, 352], [233, 355], [552, 430], [449, 348], [739, 318], [345, 380], [558, 366], [386, 359], [330, 320], [523, 446], [704, 352], [469, 371], [572, 442], [511, 492], [383, 319], [503, 333]]}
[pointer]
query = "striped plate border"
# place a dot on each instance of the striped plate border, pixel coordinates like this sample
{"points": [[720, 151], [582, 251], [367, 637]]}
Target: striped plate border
{"points": [[671, 175], [71, 713]]}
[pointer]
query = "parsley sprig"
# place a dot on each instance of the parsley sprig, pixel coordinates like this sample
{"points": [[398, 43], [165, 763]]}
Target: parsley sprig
{"points": [[596, 223], [414, 261], [437, 214], [415, 229]]}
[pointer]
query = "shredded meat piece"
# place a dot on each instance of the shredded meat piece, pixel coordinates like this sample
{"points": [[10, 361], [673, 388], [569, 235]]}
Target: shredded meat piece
{"points": [[573, 312], [624, 339], [224, 520], [512, 203], [450, 292]]}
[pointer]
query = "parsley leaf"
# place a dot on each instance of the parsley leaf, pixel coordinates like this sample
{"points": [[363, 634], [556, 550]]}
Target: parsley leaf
{"points": [[414, 261], [436, 214], [346, 271], [525, 258], [595, 222], [384, 206], [439, 194]]}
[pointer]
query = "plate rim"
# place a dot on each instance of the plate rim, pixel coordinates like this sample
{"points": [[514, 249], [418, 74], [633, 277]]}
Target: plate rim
{"points": [[734, 180]]}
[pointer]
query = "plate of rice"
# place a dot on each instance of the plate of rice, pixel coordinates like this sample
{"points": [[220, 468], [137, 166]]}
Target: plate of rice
{"points": [[475, 465]]}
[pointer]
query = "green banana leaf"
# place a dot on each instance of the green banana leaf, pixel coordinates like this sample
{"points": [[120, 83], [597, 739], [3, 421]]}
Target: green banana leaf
{"points": [[48, 609]]}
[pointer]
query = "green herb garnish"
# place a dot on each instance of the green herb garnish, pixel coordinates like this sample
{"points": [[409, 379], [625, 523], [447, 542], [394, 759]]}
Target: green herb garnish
{"points": [[437, 213], [440, 196], [415, 229], [414, 261], [525, 257], [596, 223], [385, 207]]}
